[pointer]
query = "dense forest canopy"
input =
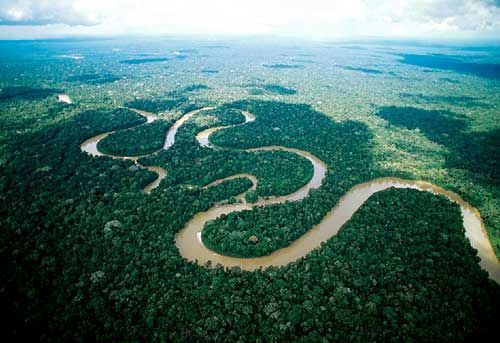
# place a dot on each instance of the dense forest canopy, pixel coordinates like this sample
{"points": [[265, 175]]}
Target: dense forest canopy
{"points": [[27, 93], [112, 243], [94, 79], [87, 256]]}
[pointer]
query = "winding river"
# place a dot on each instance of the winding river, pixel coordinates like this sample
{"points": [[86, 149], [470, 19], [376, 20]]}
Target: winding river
{"points": [[191, 247], [90, 145]]}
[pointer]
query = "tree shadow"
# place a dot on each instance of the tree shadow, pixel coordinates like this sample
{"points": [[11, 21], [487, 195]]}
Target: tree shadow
{"points": [[468, 101], [27, 93], [474, 151], [443, 62]]}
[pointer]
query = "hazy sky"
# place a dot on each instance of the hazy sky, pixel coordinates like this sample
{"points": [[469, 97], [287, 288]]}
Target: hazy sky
{"points": [[319, 19]]}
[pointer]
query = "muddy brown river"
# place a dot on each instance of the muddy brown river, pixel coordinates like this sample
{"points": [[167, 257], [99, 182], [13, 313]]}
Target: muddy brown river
{"points": [[90, 145], [191, 247]]}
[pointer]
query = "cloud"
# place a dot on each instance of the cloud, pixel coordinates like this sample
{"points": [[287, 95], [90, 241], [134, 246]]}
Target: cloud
{"points": [[44, 12], [451, 15], [309, 18]]}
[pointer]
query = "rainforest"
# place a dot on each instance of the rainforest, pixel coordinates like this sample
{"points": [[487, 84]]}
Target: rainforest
{"points": [[186, 190]]}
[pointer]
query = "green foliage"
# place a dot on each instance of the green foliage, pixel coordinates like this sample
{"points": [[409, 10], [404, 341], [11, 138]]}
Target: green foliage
{"points": [[380, 279], [467, 151], [27, 93], [87, 256], [279, 172], [190, 88], [256, 91], [476, 151], [137, 141], [251, 196], [255, 88], [278, 89], [345, 147], [176, 99], [155, 106], [56, 167], [148, 138], [94, 79]]}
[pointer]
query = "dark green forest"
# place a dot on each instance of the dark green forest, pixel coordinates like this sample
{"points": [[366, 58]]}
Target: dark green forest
{"points": [[94, 79], [28, 93], [477, 152], [271, 88], [86, 256], [278, 172], [137, 141], [343, 146]]}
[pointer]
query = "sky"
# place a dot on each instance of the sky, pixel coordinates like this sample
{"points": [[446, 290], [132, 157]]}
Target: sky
{"points": [[315, 19]]}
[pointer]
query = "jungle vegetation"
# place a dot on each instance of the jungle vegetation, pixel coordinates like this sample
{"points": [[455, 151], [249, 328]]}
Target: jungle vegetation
{"points": [[177, 99], [278, 123], [27, 93], [141, 140], [86, 256], [475, 151], [278, 172], [94, 79], [155, 106], [270, 88], [188, 89], [380, 279], [278, 89]]}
